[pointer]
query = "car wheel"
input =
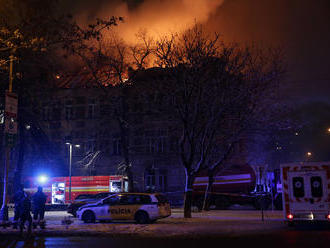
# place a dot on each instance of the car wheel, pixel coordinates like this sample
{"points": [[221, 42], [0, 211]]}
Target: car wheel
{"points": [[88, 217], [142, 217]]}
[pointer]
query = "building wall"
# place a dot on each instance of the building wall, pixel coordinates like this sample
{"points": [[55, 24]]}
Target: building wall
{"points": [[88, 116]]}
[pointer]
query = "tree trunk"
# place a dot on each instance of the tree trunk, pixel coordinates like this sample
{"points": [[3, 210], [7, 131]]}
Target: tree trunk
{"points": [[207, 196], [188, 195]]}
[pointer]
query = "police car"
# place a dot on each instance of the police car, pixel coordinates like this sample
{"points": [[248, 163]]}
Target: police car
{"points": [[141, 207]]}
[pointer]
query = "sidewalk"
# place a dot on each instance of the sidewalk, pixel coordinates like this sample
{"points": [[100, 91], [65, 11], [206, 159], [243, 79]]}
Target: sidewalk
{"points": [[216, 222]]}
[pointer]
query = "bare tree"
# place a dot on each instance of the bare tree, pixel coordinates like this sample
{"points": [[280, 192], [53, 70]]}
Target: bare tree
{"points": [[109, 62], [215, 90]]}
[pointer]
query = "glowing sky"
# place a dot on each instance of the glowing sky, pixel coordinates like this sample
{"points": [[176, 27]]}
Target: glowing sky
{"points": [[301, 27]]}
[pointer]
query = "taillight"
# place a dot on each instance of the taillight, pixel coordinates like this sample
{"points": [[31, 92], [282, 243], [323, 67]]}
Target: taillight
{"points": [[328, 216], [290, 216]]}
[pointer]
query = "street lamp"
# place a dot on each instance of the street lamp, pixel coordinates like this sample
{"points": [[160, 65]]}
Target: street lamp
{"points": [[69, 143]]}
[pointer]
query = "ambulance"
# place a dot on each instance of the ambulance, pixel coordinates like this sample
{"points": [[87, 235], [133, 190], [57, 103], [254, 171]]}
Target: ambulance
{"points": [[306, 192], [142, 208]]}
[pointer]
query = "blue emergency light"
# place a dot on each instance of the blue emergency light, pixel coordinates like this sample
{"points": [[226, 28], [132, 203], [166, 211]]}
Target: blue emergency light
{"points": [[42, 179]]}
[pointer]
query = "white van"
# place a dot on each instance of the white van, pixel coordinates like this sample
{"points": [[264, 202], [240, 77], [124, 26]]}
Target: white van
{"points": [[306, 191]]}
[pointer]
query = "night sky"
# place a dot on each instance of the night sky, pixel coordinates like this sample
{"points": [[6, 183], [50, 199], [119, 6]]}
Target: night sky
{"points": [[301, 27]]}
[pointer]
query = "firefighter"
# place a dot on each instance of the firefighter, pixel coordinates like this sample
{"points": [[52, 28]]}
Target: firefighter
{"points": [[17, 198], [24, 209], [38, 204]]}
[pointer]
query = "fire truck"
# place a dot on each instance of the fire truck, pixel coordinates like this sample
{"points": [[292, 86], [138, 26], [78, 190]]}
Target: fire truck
{"points": [[306, 192], [58, 189], [236, 184]]}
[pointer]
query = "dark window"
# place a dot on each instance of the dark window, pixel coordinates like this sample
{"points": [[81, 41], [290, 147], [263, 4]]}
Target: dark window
{"points": [[80, 124], [116, 146], [105, 110], [124, 200], [55, 125], [102, 195], [56, 114], [145, 199], [91, 111], [80, 112], [161, 198], [68, 113], [80, 100], [298, 186], [111, 200], [316, 186]]}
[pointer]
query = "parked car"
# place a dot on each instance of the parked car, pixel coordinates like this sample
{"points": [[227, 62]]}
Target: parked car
{"points": [[140, 207], [79, 201], [84, 199]]}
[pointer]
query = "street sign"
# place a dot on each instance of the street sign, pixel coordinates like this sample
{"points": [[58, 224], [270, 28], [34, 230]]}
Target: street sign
{"points": [[11, 104]]}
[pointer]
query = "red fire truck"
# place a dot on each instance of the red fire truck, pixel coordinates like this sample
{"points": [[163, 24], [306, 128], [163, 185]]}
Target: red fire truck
{"points": [[236, 184], [58, 190]]}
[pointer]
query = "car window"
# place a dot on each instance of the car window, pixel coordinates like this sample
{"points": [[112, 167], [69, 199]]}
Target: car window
{"points": [[134, 199], [145, 199], [161, 198], [124, 200], [111, 200]]}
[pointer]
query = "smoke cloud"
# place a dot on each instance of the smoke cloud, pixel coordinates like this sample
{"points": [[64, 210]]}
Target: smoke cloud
{"points": [[156, 17]]}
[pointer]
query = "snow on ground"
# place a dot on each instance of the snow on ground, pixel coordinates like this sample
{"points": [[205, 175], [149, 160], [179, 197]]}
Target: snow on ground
{"points": [[215, 222]]}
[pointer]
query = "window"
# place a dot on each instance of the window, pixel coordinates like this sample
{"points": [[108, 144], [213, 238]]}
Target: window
{"points": [[156, 144], [150, 181], [124, 200], [145, 199], [298, 186], [46, 113], [105, 110], [80, 112], [316, 186], [80, 100], [80, 124], [162, 182], [161, 198], [116, 146], [111, 200], [90, 146], [55, 125], [68, 112], [91, 111], [56, 114]]}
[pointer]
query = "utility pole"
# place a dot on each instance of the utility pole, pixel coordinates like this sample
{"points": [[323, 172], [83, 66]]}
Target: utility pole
{"points": [[10, 133], [68, 141]]}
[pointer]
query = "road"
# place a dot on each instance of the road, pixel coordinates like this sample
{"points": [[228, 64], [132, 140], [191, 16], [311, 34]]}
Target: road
{"points": [[292, 239], [229, 228]]}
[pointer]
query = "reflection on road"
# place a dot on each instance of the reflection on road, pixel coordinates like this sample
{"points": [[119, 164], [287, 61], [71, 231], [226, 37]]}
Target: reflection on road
{"points": [[277, 238], [52, 242]]}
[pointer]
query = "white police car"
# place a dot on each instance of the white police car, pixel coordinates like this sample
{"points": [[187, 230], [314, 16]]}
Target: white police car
{"points": [[141, 207]]}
